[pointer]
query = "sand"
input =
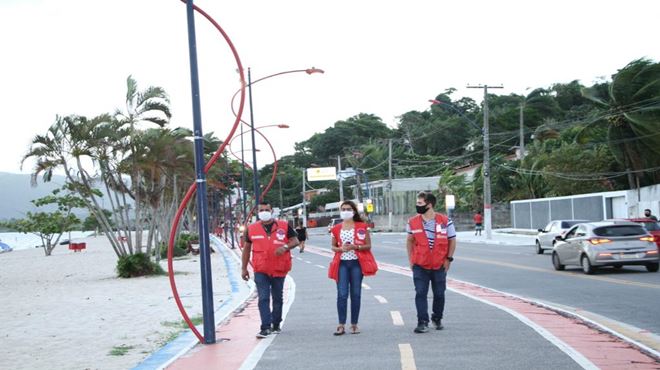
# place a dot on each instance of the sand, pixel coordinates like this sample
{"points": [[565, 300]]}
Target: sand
{"points": [[70, 310]]}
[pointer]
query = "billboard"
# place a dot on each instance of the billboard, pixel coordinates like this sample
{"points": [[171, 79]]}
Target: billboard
{"points": [[321, 174]]}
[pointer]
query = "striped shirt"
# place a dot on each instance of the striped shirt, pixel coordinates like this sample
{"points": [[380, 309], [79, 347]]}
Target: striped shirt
{"points": [[429, 228]]}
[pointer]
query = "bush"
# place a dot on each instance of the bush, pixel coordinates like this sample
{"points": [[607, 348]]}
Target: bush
{"points": [[180, 249], [137, 264]]}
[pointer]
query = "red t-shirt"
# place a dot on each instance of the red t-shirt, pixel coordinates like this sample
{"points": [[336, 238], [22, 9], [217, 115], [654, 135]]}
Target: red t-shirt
{"points": [[478, 218]]}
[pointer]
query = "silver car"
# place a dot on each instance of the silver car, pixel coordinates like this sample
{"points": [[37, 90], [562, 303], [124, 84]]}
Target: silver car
{"points": [[545, 239], [606, 243]]}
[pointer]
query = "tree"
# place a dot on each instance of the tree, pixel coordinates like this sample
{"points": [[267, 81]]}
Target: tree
{"points": [[631, 113], [50, 226]]}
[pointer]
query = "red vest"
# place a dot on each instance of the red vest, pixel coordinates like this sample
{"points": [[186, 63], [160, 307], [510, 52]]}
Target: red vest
{"points": [[422, 254], [360, 233], [264, 259]]}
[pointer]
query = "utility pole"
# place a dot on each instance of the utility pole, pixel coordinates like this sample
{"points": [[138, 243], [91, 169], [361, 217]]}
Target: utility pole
{"points": [[389, 187], [486, 166], [341, 180], [522, 132], [304, 206]]}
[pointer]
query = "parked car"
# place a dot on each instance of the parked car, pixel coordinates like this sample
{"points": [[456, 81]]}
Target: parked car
{"points": [[545, 239], [651, 225], [605, 243]]}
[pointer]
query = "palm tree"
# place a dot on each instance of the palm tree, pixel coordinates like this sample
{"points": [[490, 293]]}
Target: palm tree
{"points": [[632, 117]]}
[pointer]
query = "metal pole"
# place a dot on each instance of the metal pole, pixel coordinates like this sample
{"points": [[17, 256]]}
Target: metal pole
{"points": [[202, 211], [522, 132], [231, 223], [254, 146], [341, 180], [389, 186], [304, 206], [243, 192], [279, 180]]}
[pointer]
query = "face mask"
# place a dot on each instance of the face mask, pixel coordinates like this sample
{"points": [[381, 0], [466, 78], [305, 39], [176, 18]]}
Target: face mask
{"points": [[346, 215], [421, 209], [265, 216]]}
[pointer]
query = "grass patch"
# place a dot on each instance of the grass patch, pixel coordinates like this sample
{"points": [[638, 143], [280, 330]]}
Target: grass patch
{"points": [[196, 320], [120, 350]]}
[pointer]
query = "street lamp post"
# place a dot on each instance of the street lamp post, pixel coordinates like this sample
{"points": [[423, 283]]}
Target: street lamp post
{"points": [[255, 170]]}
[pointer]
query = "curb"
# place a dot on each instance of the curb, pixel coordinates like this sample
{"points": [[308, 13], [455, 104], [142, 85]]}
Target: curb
{"points": [[180, 345]]}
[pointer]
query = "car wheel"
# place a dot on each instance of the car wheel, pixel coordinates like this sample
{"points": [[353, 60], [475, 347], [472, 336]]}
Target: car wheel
{"points": [[539, 250], [555, 262], [652, 267], [587, 268]]}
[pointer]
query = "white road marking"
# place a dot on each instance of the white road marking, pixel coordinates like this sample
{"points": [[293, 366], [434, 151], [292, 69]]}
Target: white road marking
{"points": [[308, 261], [397, 319], [299, 259], [319, 266], [407, 357], [365, 286], [380, 299]]}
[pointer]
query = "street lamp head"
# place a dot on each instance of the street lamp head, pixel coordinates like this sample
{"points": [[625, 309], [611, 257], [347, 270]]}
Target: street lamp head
{"points": [[283, 125], [309, 71]]}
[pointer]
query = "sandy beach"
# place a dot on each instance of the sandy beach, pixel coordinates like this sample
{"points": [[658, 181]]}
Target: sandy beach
{"points": [[71, 311]]}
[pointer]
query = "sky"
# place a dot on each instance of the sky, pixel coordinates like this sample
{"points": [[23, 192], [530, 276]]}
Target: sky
{"points": [[61, 57]]}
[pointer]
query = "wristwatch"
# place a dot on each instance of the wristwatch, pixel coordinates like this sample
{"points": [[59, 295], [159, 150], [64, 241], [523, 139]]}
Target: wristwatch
{"points": [[450, 259]]}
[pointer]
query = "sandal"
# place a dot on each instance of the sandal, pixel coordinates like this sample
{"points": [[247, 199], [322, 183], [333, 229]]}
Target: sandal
{"points": [[355, 329], [340, 331]]}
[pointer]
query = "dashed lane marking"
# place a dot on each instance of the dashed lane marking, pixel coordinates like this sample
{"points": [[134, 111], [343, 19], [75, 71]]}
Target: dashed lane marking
{"points": [[308, 261], [397, 319], [365, 286], [380, 299], [319, 266], [407, 357]]}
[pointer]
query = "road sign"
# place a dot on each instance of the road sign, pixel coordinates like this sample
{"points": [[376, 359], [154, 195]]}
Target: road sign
{"points": [[321, 174]]}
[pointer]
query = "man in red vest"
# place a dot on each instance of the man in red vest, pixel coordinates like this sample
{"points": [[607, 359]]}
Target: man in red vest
{"points": [[270, 242], [431, 244]]}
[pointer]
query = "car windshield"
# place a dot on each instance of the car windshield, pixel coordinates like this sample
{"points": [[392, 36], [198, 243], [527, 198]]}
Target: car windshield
{"points": [[650, 226], [619, 230], [568, 224]]}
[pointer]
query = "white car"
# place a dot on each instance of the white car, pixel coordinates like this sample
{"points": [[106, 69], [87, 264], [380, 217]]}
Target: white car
{"points": [[545, 239]]}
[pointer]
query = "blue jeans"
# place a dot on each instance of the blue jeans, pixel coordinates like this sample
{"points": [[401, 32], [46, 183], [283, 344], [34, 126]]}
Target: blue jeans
{"points": [[267, 285], [350, 278], [438, 280]]}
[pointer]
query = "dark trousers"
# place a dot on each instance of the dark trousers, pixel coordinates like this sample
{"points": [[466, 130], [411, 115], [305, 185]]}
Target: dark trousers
{"points": [[438, 280], [350, 279], [267, 286]]}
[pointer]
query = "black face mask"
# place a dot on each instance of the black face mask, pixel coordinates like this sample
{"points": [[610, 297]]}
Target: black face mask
{"points": [[421, 209]]}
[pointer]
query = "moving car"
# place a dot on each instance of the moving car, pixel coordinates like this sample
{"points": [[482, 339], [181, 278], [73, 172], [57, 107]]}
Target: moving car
{"points": [[545, 239], [651, 226], [605, 243]]}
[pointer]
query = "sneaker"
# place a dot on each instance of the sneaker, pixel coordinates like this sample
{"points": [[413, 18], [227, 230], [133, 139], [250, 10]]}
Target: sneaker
{"points": [[275, 329], [422, 327], [437, 323], [264, 333]]}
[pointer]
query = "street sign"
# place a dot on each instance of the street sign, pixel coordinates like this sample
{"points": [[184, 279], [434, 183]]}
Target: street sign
{"points": [[321, 174], [370, 208]]}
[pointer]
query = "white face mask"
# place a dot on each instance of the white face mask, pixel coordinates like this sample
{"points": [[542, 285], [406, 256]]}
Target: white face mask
{"points": [[346, 215], [265, 216]]}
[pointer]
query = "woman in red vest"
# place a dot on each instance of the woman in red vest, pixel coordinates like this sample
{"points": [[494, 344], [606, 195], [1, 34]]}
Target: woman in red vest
{"points": [[348, 239]]}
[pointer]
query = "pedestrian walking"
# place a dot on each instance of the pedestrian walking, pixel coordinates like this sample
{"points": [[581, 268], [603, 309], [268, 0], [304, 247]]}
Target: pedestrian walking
{"points": [[270, 242], [302, 235], [352, 261], [478, 222], [431, 244], [647, 214]]}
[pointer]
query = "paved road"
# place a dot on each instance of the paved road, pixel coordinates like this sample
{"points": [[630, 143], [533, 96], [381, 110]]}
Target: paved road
{"points": [[630, 295], [476, 335]]}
